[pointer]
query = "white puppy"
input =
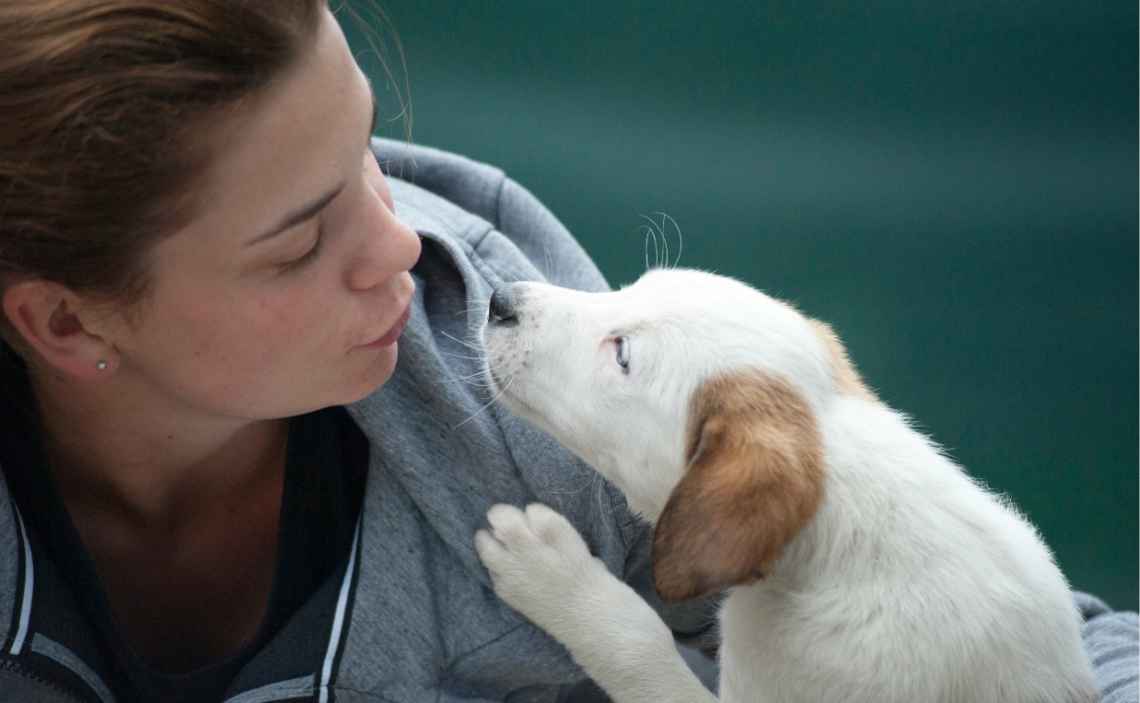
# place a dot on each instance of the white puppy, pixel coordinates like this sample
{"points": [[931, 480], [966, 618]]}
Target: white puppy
{"points": [[861, 564]]}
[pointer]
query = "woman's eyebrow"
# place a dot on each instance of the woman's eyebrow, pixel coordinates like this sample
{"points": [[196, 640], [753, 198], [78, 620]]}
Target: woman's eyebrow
{"points": [[304, 213], [298, 216]]}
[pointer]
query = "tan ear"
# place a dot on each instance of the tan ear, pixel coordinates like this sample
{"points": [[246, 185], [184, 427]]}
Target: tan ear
{"points": [[754, 479]]}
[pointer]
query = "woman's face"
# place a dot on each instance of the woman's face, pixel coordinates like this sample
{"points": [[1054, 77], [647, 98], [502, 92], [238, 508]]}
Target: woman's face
{"points": [[287, 291]]}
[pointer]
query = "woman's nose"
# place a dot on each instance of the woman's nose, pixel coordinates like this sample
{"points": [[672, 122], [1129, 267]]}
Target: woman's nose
{"points": [[388, 247]]}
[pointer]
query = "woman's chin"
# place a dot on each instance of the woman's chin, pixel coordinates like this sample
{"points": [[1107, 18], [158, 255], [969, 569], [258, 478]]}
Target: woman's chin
{"points": [[379, 369]]}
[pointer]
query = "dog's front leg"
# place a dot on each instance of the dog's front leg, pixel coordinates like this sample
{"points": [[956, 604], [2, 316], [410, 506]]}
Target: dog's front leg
{"points": [[541, 567]]}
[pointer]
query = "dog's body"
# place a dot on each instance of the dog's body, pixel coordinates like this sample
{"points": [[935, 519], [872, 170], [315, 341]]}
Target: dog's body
{"points": [[861, 563]]}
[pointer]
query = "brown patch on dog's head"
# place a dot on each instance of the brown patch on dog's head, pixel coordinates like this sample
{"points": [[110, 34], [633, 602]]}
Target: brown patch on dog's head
{"points": [[847, 379], [754, 479]]}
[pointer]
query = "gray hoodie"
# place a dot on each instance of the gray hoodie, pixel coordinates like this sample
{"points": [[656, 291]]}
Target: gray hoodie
{"points": [[412, 618]]}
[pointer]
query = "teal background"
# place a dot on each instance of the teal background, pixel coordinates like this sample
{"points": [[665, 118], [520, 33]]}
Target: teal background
{"points": [[952, 185]]}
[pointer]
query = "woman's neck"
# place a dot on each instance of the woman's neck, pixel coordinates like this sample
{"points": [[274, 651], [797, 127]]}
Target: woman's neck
{"points": [[147, 460]]}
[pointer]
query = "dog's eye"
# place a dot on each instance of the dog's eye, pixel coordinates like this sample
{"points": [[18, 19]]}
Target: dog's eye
{"points": [[623, 353]]}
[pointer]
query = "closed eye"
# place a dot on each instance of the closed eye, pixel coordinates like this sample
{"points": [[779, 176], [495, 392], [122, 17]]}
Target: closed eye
{"points": [[308, 256]]}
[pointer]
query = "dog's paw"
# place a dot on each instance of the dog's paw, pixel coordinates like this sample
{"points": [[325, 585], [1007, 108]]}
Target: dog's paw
{"points": [[537, 560]]}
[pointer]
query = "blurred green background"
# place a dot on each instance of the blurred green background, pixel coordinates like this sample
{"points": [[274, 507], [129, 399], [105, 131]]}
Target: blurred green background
{"points": [[952, 185]]}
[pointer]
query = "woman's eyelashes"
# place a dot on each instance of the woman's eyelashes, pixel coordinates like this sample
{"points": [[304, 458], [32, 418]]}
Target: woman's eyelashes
{"points": [[315, 248]]}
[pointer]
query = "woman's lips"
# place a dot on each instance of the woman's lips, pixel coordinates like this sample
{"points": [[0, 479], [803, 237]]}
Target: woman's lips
{"points": [[393, 334]]}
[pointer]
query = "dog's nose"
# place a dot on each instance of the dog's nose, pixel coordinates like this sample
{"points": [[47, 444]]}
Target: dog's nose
{"points": [[502, 308]]}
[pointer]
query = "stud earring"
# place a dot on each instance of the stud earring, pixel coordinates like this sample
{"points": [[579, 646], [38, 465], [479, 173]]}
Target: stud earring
{"points": [[101, 365]]}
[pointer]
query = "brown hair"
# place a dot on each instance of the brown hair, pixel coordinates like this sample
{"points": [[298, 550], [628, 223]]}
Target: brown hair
{"points": [[100, 101]]}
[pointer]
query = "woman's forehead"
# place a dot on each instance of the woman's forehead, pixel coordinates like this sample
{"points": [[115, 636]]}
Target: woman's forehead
{"points": [[289, 144]]}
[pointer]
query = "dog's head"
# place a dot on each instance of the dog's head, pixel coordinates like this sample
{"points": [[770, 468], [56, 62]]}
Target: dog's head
{"points": [[696, 395]]}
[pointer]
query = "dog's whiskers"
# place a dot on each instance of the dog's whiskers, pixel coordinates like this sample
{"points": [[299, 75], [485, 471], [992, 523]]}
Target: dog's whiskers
{"points": [[470, 345], [481, 385], [479, 379], [645, 245], [486, 405], [680, 238], [661, 256], [467, 311], [480, 373], [456, 355], [651, 232]]}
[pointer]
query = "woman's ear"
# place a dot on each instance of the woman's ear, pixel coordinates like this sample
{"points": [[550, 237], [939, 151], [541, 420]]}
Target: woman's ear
{"points": [[47, 318], [754, 478]]}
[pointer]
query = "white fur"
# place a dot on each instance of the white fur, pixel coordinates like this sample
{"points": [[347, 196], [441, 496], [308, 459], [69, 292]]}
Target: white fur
{"points": [[910, 583]]}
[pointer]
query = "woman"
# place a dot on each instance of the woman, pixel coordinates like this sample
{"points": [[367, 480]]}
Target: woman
{"points": [[222, 486]]}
